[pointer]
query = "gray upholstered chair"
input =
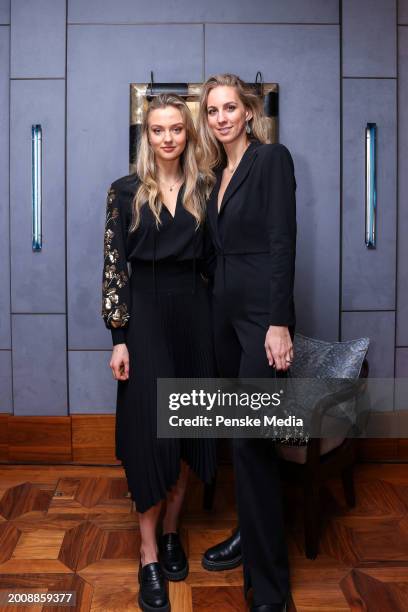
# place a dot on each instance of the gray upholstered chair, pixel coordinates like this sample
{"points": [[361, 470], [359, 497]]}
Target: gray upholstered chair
{"points": [[312, 464], [320, 459]]}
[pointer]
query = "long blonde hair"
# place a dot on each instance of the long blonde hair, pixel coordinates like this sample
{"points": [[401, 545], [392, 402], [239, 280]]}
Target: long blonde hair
{"points": [[212, 152], [148, 191]]}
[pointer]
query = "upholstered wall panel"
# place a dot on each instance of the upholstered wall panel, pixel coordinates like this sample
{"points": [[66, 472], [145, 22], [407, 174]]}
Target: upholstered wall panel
{"points": [[369, 274], [6, 401], [230, 11], [37, 278], [39, 365], [369, 38], [38, 38], [403, 12], [379, 327], [402, 278], [4, 12], [5, 341], [92, 388]]}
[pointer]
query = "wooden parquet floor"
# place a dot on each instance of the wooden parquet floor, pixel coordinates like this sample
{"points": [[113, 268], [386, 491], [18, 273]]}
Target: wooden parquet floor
{"points": [[72, 528]]}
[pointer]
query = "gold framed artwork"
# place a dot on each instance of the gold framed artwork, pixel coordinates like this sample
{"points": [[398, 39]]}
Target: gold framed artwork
{"points": [[141, 93]]}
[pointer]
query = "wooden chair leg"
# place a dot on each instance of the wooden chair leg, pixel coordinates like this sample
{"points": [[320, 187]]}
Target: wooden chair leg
{"points": [[209, 494], [348, 486], [311, 498]]}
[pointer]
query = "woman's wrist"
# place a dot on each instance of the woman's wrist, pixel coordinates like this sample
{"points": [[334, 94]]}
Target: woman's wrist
{"points": [[278, 328], [118, 335]]}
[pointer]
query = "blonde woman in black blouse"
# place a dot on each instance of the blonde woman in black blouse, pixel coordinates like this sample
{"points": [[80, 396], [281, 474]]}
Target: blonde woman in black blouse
{"points": [[160, 323]]}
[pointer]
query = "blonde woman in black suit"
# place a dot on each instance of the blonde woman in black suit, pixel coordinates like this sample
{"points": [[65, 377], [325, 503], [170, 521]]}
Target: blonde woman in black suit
{"points": [[251, 214]]}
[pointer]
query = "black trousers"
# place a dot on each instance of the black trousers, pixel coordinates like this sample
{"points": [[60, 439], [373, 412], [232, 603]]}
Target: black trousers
{"points": [[239, 344]]}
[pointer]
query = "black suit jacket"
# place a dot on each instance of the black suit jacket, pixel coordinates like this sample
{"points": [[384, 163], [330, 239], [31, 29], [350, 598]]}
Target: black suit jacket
{"points": [[258, 215]]}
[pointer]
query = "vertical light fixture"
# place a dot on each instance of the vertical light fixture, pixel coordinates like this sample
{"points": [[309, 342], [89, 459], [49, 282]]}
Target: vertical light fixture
{"points": [[371, 186], [36, 186]]}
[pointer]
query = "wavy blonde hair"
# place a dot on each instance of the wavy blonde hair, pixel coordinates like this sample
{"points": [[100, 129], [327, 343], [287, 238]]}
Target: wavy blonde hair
{"points": [[148, 191], [212, 152]]}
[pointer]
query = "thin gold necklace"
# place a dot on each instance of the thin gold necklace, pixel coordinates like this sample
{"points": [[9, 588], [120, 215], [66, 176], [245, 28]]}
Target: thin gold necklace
{"points": [[170, 187], [237, 163]]}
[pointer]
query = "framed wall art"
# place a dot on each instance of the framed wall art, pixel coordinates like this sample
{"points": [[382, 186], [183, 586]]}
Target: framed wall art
{"points": [[141, 93]]}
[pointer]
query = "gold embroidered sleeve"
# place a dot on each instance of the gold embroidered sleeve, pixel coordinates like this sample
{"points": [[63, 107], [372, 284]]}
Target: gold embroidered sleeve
{"points": [[115, 281]]}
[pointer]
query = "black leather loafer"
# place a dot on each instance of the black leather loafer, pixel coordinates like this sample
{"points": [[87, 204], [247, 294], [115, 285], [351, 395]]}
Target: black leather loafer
{"points": [[172, 557], [225, 555], [152, 590]]}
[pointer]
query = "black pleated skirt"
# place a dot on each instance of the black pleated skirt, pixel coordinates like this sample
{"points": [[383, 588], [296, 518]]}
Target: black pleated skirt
{"points": [[169, 335]]}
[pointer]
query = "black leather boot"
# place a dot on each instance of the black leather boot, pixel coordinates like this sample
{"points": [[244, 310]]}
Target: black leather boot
{"points": [[152, 590], [225, 555], [172, 557]]}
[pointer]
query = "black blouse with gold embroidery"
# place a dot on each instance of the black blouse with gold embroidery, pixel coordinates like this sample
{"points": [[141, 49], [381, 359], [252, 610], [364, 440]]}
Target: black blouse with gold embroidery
{"points": [[176, 239]]}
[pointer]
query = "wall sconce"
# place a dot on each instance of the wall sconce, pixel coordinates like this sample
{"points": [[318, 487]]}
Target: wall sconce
{"points": [[371, 186], [36, 185]]}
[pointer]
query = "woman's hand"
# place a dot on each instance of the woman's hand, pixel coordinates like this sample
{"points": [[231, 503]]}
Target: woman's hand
{"points": [[119, 362], [279, 347]]}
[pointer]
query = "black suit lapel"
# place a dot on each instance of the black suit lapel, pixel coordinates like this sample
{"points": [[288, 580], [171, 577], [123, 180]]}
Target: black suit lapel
{"points": [[212, 206], [239, 175]]}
